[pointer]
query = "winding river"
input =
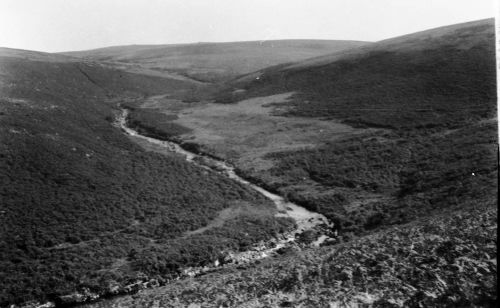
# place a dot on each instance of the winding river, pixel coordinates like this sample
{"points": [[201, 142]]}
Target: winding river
{"points": [[305, 219]]}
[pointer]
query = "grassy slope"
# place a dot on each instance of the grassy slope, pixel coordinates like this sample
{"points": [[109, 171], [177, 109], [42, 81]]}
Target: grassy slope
{"points": [[215, 61], [82, 206]]}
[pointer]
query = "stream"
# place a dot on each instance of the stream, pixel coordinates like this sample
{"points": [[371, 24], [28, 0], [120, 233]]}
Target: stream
{"points": [[305, 219]]}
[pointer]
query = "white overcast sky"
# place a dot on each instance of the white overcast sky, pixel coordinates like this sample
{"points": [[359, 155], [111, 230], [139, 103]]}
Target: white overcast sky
{"points": [[63, 25]]}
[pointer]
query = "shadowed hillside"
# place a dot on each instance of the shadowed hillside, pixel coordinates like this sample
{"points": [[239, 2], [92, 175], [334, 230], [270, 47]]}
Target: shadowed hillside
{"points": [[213, 61]]}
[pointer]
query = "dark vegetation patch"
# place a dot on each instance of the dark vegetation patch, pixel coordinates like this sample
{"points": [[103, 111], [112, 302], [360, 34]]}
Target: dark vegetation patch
{"points": [[79, 202], [155, 124]]}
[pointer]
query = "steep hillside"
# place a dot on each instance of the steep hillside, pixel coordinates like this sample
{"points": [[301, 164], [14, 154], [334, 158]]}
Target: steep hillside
{"points": [[212, 61], [82, 208]]}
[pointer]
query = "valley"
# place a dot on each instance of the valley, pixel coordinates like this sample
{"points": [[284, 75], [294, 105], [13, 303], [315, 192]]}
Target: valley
{"points": [[292, 173]]}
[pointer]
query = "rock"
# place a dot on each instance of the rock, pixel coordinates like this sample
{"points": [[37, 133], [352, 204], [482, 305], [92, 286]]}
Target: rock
{"points": [[307, 237], [134, 287], [366, 298], [113, 288], [34, 304], [71, 298]]}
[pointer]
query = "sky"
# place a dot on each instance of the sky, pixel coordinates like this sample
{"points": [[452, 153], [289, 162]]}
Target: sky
{"points": [[65, 25]]}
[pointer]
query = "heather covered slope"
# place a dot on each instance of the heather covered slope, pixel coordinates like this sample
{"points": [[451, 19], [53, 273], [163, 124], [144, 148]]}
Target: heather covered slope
{"points": [[81, 206], [213, 61]]}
